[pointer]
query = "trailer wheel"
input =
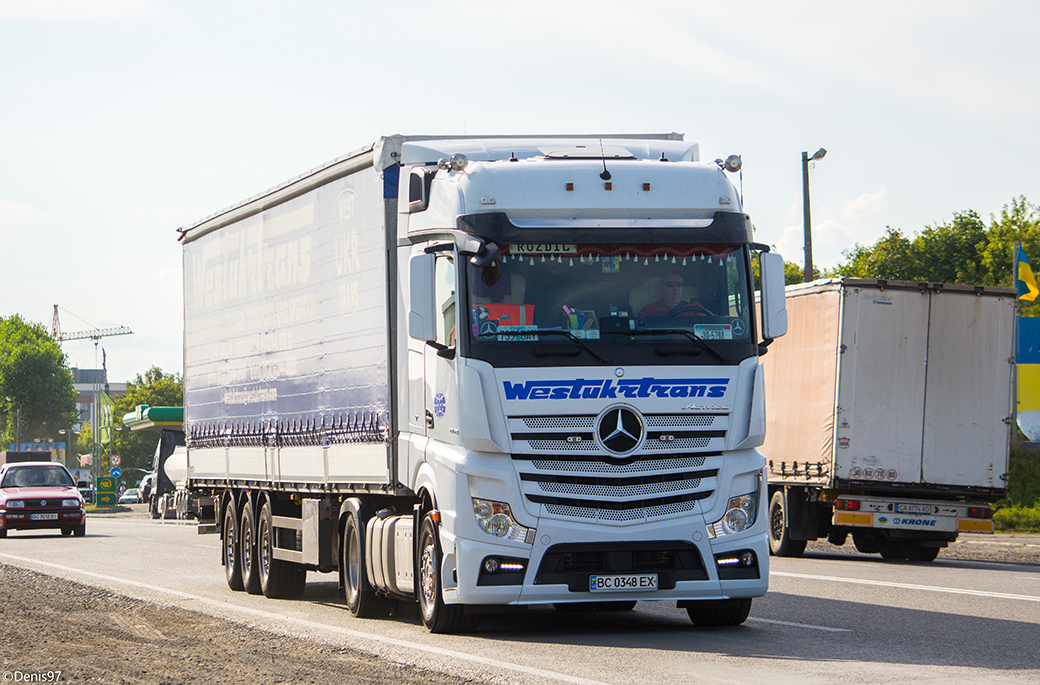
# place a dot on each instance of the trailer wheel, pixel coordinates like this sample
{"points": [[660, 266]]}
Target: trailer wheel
{"points": [[232, 561], [730, 612], [247, 549], [279, 579], [866, 542], [437, 616], [780, 542], [915, 551], [893, 550]]}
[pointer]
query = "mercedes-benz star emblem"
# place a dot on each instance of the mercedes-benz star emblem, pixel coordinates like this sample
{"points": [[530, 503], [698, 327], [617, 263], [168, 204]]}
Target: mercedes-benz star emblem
{"points": [[620, 430]]}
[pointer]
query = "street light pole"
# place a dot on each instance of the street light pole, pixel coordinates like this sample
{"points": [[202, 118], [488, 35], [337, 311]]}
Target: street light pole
{"points": [[807, 220], [69, 461]]}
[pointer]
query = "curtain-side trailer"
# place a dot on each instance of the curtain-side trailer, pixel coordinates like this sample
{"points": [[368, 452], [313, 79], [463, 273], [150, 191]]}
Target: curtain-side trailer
{"points": [[889, 409], [473, 372]]}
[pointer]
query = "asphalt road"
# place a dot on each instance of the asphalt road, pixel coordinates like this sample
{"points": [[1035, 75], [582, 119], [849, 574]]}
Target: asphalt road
{"points": [[829, 617]]}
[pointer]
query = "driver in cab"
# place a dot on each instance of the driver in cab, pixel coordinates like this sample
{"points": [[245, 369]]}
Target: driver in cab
{"points": [[672, 302]]}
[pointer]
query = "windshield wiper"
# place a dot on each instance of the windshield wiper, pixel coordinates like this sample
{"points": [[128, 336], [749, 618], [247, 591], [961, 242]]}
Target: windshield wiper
{"points": [[672, 331], [561, 332]]}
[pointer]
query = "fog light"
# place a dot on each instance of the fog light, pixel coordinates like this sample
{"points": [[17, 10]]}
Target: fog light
{"points": [[491, 565], [747, 558]]}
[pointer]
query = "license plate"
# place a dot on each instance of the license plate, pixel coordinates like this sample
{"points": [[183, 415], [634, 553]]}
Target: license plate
{"points": [[629, 582], [43, 517], [914, 508]]}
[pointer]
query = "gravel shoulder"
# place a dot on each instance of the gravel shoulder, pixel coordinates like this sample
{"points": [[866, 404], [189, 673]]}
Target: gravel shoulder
{"points": [[1005, 548], [52, 626]]}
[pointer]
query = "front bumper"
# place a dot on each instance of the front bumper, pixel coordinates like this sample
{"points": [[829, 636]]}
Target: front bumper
{"points": [[17, 520], [558, 566]]}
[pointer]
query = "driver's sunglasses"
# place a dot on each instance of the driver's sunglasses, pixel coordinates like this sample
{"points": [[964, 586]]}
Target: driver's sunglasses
{"points": [[672, 284]]}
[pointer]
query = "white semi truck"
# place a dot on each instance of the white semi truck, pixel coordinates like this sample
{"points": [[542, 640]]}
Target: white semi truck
{"points": [[889, 409], [479, 372]]}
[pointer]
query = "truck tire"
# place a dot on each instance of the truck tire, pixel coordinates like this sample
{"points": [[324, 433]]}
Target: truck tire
{"points": [[247, 549], [437, 616], [893, 550], [362, 600], [279, 579], [915, 551], [780, 542], [714, 613], [866, 542], [232, 560]]}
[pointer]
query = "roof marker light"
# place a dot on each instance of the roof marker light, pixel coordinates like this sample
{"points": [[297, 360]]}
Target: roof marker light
{"points": [[570, 186], [646, 187]]}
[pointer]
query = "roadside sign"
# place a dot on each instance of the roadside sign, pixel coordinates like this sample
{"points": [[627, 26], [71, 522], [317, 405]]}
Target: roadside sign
{"points": [[105, 484], [116, 472], [115, 461], [106, 498]]}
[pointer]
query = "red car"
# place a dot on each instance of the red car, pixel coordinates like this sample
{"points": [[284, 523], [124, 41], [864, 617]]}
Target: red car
{"points": [[38, 495]]}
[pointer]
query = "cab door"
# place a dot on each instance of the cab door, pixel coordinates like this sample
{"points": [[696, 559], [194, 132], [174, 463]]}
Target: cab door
{"points": [[442, 397]]}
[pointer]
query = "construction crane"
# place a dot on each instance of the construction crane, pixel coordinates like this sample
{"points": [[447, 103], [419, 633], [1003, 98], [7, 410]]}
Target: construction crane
{"points": [[95, 334]]}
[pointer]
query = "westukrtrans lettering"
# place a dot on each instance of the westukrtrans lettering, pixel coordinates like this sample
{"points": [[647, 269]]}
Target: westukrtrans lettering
{"points": [[581, 389]]}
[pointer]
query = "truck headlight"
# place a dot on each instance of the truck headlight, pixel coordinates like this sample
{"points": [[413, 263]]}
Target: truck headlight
{"points": [[495, 519], [740, 515]]}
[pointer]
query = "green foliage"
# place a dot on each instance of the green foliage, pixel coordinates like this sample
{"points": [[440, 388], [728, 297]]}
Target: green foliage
{"points": [[1021, 510], [1023, 477], [156, 389], [962, 251], [35, 376], [1017, 519]]}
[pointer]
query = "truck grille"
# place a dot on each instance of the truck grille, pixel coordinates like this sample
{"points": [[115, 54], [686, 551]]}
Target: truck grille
{"points": [[565, 469]]}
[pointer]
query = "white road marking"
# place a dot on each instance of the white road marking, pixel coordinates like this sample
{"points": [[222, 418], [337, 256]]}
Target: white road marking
{"points": [[909, 586], [356, 634], [800, 625]]}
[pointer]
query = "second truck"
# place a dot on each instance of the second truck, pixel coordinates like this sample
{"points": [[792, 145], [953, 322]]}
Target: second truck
{"points": [[481, 372], [890, 415]]}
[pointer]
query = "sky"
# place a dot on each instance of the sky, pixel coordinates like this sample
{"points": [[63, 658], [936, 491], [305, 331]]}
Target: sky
{"points": [[122, 120]]}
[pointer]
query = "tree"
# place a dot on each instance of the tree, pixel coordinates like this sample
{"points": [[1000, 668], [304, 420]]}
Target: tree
{"points": [[890, 258], [34, 374], [963, 251], [155, 389]]}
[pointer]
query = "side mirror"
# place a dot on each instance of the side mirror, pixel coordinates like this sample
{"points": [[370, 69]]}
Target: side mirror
{"points": [[774, 298], [422, 323]]}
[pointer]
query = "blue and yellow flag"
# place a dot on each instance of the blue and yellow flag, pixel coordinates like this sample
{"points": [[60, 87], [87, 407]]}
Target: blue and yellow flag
{"points": [[1026, 281]]}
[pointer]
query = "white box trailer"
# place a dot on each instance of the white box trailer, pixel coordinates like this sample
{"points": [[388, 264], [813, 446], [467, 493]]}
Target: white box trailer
{"points": [[889, 411], [437, 367]]}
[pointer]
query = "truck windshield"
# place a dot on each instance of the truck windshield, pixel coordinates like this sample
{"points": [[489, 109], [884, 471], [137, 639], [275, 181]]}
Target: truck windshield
{"points": [[593, 297]]}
